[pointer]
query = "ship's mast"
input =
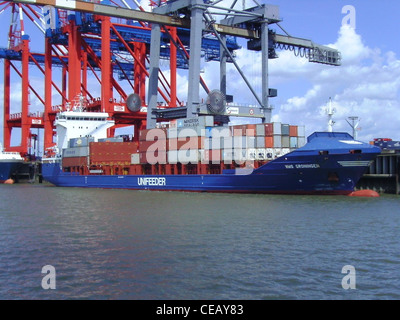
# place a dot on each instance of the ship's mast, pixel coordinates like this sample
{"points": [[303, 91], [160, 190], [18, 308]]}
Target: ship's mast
{"points": [[355, 121], [330, 111]]}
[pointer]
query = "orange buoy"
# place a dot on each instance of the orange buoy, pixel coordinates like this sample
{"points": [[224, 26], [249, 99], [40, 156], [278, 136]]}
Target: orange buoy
{"points": [[364, 193], [9, 181]]}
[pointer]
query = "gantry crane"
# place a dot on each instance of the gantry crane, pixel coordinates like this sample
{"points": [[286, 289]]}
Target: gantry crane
{"points": [[194, 16]]}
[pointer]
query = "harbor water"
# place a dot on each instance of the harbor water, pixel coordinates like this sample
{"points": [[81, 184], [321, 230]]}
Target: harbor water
{"points": [[125, 244]]}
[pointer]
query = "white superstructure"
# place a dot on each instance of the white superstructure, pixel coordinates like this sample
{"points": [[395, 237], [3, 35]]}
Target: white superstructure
{"points": [[78, 124], [9, 156]]}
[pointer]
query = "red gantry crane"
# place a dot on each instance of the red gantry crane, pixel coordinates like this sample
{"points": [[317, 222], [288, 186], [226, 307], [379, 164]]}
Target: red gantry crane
{"points": [[114, 49]]}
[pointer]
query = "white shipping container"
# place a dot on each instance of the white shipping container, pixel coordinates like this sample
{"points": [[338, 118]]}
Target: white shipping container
{"points": [[251, 154], [301, 141], [260, 142], [227, 142], [172, 133], [269, 154], [277, 128], [213, 143], [235, 155], [208, 121], [293, 142], [301, 131], [243, 142], [239, 142], [285, 142], [80, 142], [260, 154], [251, 142], [227, 155], [202, 121], [277, 152], [135, 158], [117, 139], [260, 130], [76, 152], [277, 141]]}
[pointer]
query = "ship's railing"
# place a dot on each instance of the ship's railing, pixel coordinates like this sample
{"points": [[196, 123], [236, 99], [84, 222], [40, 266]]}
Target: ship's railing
{"points": [[15, 116], [18, 115]]}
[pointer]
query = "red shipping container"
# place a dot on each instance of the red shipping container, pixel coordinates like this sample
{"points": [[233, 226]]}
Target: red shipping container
{"points": [[145, 146], [250, 130], [153, 157], [293, 131], [112, 151], [237, 131], [130, 147], [269, 129], [153, 134], [75, 162], [269, 142]]}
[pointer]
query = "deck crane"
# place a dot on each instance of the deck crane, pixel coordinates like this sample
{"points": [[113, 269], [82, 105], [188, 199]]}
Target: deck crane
{"points": [[197, 15]]}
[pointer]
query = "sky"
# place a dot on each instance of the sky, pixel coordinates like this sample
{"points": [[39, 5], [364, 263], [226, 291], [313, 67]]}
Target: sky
{"points": [[366, 85]]}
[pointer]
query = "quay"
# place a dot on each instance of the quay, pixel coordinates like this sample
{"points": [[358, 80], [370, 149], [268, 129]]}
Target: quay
{"points": [[28, 172], [383, 174]]}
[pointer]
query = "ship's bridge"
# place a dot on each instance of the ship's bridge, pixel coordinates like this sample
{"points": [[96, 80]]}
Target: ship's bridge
{"points": [[78, 124]]}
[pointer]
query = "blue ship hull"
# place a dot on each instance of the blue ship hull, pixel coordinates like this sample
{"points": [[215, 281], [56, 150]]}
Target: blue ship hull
{"points": [[7, 168], [330, 163]]}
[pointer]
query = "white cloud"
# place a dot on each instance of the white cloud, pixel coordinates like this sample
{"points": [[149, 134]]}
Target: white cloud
{"points": [[367, 85], [351, 46]]}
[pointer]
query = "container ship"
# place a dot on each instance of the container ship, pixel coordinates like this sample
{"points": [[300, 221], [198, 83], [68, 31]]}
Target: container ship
{"points": [[191, 146], [195, 154], [9, 163]]}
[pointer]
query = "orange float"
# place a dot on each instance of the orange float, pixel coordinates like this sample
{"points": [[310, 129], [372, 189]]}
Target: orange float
{"points": [[364, 193]]}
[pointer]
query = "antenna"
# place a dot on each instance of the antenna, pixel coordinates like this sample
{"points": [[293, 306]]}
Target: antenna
{"points": [[330, 111], [355, 121]]}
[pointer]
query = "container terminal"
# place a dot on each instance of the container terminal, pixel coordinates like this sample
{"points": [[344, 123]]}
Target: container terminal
{"points": [[114, 39]]}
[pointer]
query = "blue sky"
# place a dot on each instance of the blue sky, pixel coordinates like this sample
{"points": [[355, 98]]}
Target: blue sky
{"points": [[373, 68], [366, 85]]}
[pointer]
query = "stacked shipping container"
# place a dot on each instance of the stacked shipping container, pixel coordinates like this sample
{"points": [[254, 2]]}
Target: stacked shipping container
{"points": [[196, 140], [190, 141], [112, 153]]}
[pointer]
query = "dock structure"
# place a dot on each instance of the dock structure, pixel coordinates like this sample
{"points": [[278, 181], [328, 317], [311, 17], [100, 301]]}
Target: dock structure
{"points": [[116, 43], [383, 173], [86, 40]]}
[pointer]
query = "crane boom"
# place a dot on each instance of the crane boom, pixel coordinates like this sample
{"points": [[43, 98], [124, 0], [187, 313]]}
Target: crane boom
{"points": [[303, 47], [137, 15], [315, 52]]}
